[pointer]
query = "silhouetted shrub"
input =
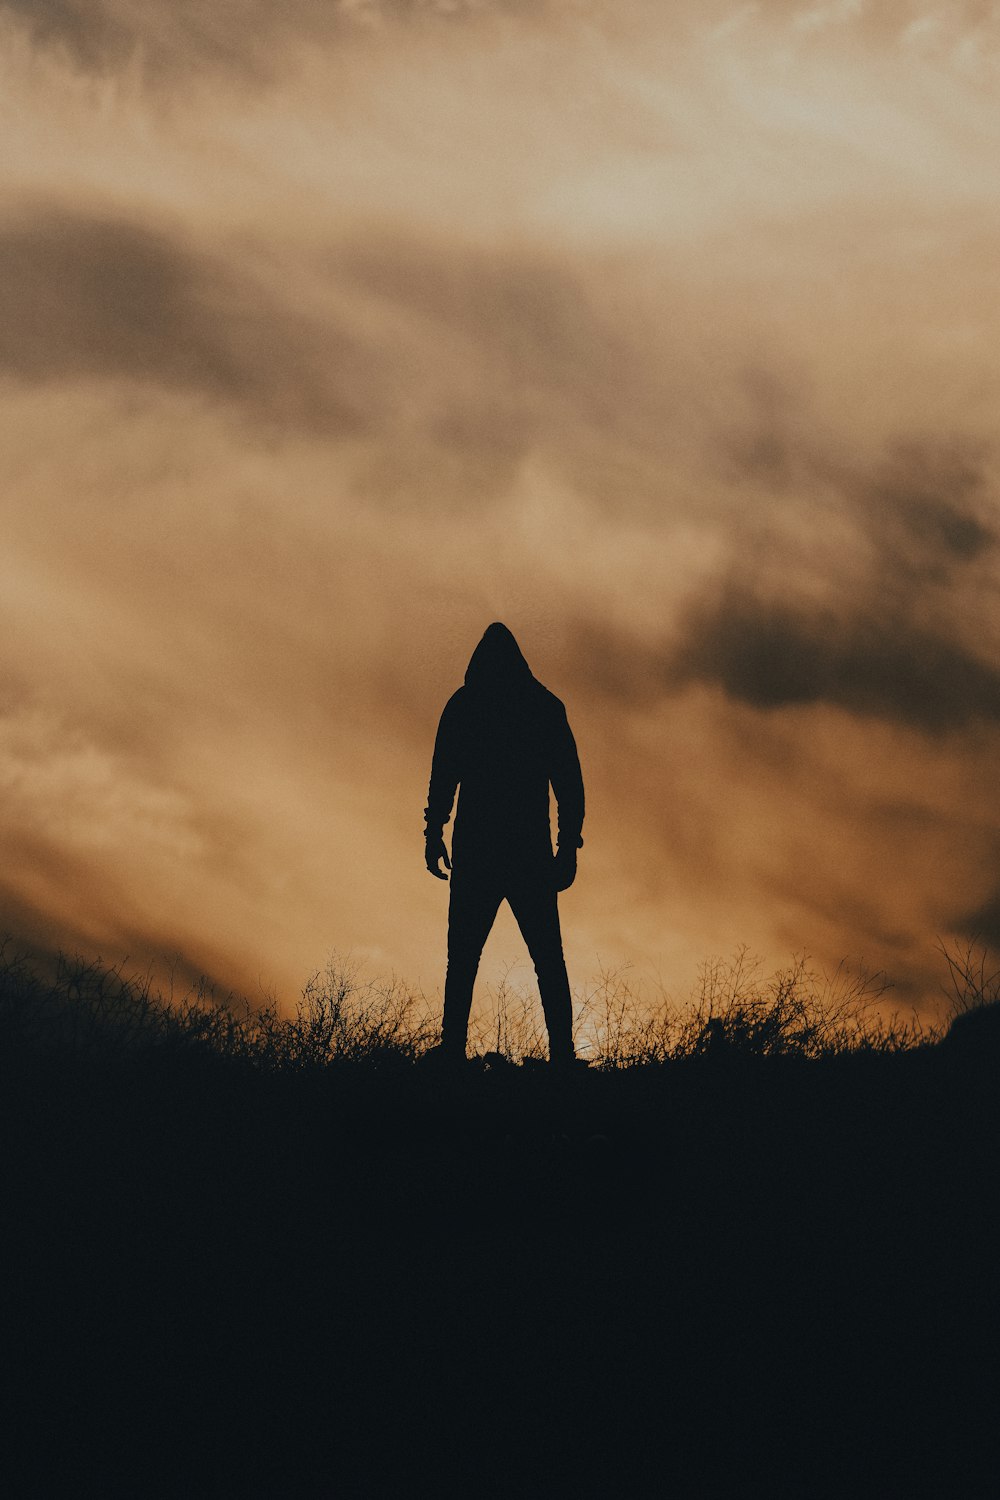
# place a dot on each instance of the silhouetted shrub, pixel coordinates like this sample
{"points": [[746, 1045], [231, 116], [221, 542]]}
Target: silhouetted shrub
{"points": [[743, 1012], [342, 1017], [84, 1006], [974, 998]]}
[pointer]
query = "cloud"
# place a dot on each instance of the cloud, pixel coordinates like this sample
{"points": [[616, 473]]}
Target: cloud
{"points": [[883, 639], [773, 657], [460, 360], [252, 41], [673, 348], [93, 296], [255, 43], [929, 509], [983, 924], [503, 355], [109, 35]]}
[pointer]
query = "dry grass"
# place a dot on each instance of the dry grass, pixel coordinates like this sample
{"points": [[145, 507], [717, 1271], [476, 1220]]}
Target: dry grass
{"points": [[343, 1017], [973, 981]]}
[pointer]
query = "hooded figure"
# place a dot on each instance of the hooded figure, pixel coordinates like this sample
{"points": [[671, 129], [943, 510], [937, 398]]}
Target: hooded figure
{"points": [[504, 739]]}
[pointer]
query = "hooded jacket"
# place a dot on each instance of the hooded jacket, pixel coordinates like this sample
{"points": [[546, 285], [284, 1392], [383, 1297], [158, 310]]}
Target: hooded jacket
{"points": [[504, 739]]}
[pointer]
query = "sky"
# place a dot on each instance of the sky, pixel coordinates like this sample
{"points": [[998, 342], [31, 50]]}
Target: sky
{"points": [[669, 335]]}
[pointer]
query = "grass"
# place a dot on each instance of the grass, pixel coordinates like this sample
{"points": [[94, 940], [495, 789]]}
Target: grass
{"points": [[83, 1006]]}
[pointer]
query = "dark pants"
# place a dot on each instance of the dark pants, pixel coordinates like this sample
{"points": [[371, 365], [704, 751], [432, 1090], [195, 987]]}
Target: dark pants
{"points": [[475, 901]]}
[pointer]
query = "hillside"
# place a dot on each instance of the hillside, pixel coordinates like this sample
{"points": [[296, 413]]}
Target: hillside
{"points": [[725, 1273]]}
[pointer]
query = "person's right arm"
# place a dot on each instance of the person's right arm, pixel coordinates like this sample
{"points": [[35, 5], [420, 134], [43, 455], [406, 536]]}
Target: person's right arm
{"points": [[445, 776]]}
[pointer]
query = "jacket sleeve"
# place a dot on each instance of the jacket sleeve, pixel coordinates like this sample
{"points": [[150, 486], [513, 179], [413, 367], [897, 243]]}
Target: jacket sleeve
{"points": [[445, 771], [567, 783]]}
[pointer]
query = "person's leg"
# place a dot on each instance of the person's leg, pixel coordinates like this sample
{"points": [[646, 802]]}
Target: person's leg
{"points": [[472, 910], [536, 909]]}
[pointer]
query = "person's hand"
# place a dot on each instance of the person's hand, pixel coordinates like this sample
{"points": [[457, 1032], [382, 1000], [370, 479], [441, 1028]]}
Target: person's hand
{"points": [[564, 867], [434, 853]]}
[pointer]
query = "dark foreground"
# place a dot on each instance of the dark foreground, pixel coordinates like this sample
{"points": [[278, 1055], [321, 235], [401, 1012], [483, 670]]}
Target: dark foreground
{"points": [[709, 1278]]}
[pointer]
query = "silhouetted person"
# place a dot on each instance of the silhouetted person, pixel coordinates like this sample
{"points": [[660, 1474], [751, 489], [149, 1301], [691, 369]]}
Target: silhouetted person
{"points": [[504, 739]]}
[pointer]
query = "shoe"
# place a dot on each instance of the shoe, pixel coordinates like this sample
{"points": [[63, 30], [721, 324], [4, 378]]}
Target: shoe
{"points": [[568, 1062], [444, 1059]]}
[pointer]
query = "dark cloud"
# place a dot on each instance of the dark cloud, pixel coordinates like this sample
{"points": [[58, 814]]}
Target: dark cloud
{"points": [[104, 36], [88, 296], [90, 33], [248, 39], [478, 356], [774, 656], [799, 624], [926, 509], [876, 628]]}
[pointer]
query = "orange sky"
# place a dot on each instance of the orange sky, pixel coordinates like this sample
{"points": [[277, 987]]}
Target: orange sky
{"points": [[668, 335]]}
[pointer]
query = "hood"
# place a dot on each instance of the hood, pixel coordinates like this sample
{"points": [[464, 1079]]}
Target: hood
{"points": [[496, 665]]}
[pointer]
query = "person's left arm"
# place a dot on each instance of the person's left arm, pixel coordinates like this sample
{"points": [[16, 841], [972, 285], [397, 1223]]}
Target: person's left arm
{"points": [[567, 784]]}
